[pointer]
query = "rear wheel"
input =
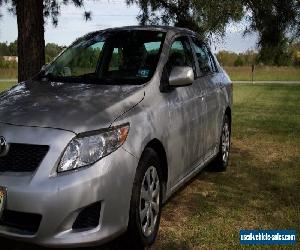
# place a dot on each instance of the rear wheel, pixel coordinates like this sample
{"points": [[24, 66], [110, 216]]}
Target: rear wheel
{"points": [[221, 161], [146, 201]]}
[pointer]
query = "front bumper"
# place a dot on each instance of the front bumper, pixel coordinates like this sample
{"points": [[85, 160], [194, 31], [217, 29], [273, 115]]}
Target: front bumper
{"points": [[60, 198]]}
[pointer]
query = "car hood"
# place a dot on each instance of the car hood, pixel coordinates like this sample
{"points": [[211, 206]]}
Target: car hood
{"points": [[75, 107]]}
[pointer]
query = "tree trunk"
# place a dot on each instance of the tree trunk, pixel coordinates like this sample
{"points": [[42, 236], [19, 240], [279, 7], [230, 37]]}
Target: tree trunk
{"points": [[31, 42]]}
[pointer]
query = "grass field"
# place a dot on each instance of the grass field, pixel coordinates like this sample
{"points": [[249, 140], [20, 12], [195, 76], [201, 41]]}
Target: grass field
{"points": [[261, 188], [264, 73], [8, 73], [5, 85]]}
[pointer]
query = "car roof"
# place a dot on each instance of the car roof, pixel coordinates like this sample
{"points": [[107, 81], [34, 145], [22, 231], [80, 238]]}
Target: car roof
{"points": [[153, 28], [174, 30]]}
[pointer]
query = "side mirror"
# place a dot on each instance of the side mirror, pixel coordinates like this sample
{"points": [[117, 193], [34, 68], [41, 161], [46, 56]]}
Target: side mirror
{"points": [[181, 76]]}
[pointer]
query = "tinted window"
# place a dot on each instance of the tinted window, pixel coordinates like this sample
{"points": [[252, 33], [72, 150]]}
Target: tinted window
{"points": [[204, 57], [137, 60], [116, 57], [181, 54]]}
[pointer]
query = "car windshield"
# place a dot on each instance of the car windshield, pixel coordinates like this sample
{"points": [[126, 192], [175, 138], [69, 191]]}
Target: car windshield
{"points": [[113, 57]]}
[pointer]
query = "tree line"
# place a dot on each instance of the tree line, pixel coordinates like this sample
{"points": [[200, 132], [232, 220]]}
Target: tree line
{"points": [[277, 23], [226, 58], [11, 49], [251, 57]]}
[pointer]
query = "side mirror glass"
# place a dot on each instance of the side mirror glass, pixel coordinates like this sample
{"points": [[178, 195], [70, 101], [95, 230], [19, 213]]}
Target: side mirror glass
{"points": [[181, 76]]}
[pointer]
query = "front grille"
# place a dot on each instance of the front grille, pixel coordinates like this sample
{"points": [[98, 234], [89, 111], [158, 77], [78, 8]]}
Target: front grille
{"points": [[22, 221], [23, 158], [89, 217]]}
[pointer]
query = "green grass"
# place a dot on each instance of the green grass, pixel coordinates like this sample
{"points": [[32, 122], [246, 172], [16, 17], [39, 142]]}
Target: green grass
{"points": [[264, 73], [261, 188], [6, 85], [8, 73]]}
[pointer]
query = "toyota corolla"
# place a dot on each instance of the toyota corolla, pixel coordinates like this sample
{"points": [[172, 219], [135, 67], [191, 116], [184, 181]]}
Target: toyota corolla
{"points": [[92, 146]]}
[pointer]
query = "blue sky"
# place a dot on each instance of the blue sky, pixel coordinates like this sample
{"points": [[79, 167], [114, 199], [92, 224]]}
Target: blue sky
{"points": [[106, 14]]}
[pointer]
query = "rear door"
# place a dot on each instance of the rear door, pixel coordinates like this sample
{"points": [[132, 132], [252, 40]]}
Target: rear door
{"points": [[208, 79]]}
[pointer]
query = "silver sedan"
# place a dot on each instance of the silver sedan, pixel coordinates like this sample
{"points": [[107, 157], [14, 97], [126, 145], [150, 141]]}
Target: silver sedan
{"points": [[92, 146]]}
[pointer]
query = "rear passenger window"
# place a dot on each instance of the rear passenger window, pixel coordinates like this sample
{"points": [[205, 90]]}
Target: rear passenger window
{"points": [[205, 60]]}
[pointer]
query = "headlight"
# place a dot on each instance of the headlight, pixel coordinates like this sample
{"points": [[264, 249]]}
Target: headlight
{"points": [[87, 149]]}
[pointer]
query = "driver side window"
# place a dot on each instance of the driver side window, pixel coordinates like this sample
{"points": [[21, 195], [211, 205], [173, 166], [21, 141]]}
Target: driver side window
{"points": [[180, 54]]}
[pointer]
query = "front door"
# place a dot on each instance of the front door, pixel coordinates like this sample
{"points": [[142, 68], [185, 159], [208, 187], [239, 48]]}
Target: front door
{"points": [[183, 113]]}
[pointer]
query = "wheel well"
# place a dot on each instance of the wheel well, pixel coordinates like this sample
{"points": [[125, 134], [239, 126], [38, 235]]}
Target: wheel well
{"points": [[228, 113], [158, 147]]}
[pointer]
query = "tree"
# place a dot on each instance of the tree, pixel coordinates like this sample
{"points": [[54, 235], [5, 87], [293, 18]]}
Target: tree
{"points": [[277, 23], [52, 50], [31, 48], [13, 48], [4, 51], [204, 17], [239, 61], [8, 49], [227, 58], [294, 50], [31, 16]]}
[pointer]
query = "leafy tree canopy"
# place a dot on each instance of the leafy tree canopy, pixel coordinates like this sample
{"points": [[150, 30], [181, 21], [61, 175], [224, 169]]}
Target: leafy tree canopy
{"points": [[277, 23], [202, 16], [8, 49], [51, 50], [52, 8]]}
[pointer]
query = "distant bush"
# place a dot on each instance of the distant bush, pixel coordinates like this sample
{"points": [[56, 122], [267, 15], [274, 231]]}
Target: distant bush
{"points": [[263, 73], [289, 58], [238, 62], [233, 59], [8, 64], [51, 51]]}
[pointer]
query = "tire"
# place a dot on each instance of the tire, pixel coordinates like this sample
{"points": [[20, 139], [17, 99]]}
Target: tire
{"points": [[142, 227], [222, 158]]}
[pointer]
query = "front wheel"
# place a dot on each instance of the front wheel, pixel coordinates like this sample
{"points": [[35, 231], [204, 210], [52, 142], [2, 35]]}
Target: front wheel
{"points": [[221, 161], [146, 201]]}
